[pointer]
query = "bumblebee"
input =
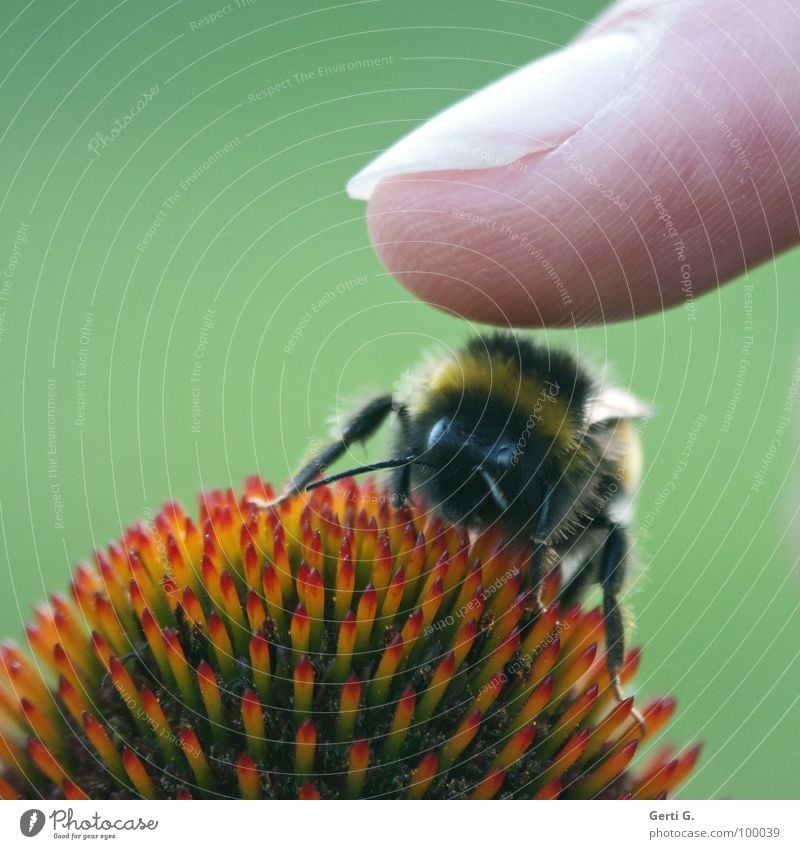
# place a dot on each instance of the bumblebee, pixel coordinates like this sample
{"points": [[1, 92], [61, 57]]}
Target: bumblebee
{"points": [[507, 433]]}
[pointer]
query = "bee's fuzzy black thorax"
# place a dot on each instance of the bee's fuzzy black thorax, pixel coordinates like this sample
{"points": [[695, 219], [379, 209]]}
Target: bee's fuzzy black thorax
{"points": [[500, 409]]}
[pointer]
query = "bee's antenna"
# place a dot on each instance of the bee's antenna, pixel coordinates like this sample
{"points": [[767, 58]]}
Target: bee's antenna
{"points": [[359, 470]]}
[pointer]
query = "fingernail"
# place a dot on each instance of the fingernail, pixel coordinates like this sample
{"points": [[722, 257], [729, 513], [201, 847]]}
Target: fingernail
{"points": [[529, 111]]}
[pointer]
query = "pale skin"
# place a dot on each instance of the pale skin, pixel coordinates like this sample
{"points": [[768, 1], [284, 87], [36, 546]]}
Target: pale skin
{"points": [[685, 175]]}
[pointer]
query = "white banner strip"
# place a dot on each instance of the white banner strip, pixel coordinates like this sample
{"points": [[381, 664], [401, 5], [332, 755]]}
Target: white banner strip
{"points": [[384, 825]]}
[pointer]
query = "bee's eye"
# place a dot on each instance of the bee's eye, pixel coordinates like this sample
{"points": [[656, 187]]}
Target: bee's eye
{"points": [[503, 456], [437, 432]]}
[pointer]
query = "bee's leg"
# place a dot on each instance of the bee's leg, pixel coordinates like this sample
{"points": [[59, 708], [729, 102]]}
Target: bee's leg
{"points": [[540, 547], [360, 426], [612, 576], [400, 486]]}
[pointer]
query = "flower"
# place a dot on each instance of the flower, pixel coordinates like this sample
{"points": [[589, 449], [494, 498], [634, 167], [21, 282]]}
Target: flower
{"points": [[330, 647]]}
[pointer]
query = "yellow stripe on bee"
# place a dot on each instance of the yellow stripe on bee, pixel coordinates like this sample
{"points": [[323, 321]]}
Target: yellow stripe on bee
{"points": [[630, 450], [540, 400]]}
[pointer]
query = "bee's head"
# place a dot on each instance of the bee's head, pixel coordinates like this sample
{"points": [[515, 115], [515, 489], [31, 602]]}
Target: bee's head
{"points": [[471, 468]]}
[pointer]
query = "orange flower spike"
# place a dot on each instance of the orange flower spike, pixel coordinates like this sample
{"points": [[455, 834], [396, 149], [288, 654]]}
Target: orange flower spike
{"points": [[497, 660], [534, 705], [48, 728], [438, 573], [212, 699], [573, 717], [72, 698], [463, 640], [382, 567], [365, 618], [256, 615], [437, 542], [114, 583], [72, 635], [422, 776], [303, 687], [686, 763], [431, 602], [72, 792], [159, 724], [193, 609], [544, 630], [184, 677], [221, 647], [308, 791], [127, 690], [192, 545], [506, 622], [348, 631], [345, 584], [305, 748], [273, 594], [138, 601], [608, 727], [569, 755], [488, 693], [182, 572], [393, 597], [260, 663], [468, 589], [102, 649], [502, 599], [415, 568], [301, 581], [252, 566], [357, 764], [378, 689], [158, 646], [515, 748], [138, 775], [411, 631], [25, 681], [247, 777], [582, 628], [490, 785], [151, 592], [656, 713], [403, 714], [300, 631], [611, 767], [366, 551], [349, 706], [280, 562], [98, 737], [464, 735], [544, 662], [438, 686], [657, 783], [211, 579], [7, 792], [63, 664], [316, 556], [234, 613], [315, 605], [405, 545], [551, 790], [45, 761], [254, 728], [196, 758], [571, 668], [459, 566]]}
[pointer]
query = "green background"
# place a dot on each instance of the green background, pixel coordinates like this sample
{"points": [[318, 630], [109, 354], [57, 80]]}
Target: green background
{"points": [[260, 236]]}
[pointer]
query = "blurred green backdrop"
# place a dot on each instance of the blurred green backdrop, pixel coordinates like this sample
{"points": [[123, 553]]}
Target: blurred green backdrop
{"points": [[158, 328]]}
